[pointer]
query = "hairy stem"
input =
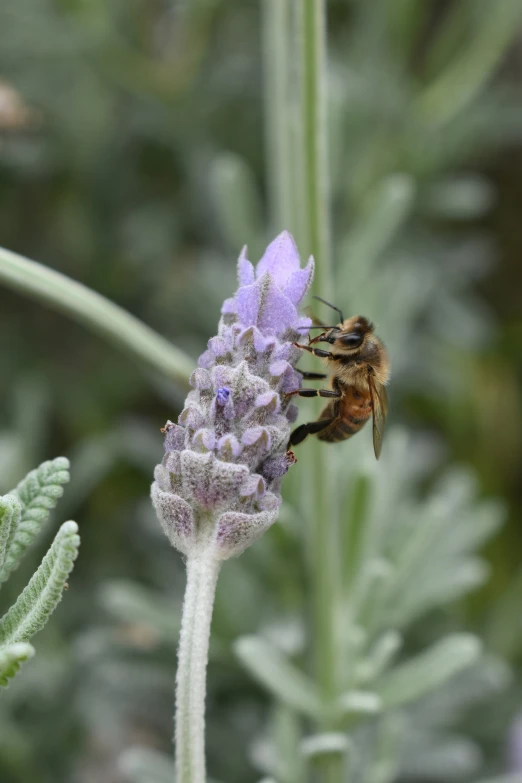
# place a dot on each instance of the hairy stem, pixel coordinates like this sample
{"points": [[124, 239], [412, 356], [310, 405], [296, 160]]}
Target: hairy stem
{"points": [[107, 319], [276, 25], [202, 574], [312, 33], [323, 541]]}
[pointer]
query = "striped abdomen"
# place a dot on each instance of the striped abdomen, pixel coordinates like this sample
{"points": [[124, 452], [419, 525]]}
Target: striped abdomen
{"points": [[350, 413]]}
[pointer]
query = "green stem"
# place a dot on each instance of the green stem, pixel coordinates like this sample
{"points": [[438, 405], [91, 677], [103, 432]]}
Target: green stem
{"points": [[276, 34], [96, 312], [312, 33], [323, 538], [202, 574]]}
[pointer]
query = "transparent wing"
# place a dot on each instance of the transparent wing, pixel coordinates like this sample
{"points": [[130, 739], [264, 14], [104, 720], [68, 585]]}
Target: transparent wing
{"points": [[379, 399]]}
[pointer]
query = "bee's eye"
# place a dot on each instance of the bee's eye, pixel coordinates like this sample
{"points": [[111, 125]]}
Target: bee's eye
{"points": [[352, 339]]}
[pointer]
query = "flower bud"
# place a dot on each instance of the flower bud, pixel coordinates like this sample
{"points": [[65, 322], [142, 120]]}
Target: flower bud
{"points": [[219, 482]]}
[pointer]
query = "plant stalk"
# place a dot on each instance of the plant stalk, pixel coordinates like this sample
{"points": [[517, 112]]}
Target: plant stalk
{"points": [[202, 574], [311, 15], [276, 27], [89, 308], [322, 531], [323, 539]]}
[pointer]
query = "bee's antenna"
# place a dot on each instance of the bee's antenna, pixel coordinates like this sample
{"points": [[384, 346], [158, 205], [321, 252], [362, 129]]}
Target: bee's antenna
{"points": [[330, 305]]}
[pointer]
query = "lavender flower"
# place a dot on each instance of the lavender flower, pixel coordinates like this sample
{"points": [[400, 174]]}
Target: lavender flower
{"points": [[219, 482]]}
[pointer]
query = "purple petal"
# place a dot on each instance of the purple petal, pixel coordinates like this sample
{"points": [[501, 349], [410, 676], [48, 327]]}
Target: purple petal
{"points": [[278, 313], [298, 283], [174, 437], [292, 412], [229, 306], [245, 270], [254, 435], [176, 518], [206, 360], [236, 531], [247, 303], [253, 485], [278, 368], [290, 381], [222, 395], [223, 376], [281, 259], [218, 346], [275, 467], [200, 379], [204, 438], [268, 400], [228, 447]]}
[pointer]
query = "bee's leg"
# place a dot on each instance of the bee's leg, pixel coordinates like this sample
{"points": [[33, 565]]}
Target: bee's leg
{"points": [[316, 351], [314, 393], [320, 353], [313, 427], [312, 376]]}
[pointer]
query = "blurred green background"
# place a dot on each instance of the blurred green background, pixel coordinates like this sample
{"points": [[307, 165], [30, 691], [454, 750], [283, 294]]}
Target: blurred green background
{"points": [[133, 158]]}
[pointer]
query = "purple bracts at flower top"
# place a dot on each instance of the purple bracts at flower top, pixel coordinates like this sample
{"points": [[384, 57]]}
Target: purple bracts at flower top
{"points": [[219, 481]]}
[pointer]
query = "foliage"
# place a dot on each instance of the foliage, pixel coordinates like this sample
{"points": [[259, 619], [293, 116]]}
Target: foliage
{"points": [[22, 514]]}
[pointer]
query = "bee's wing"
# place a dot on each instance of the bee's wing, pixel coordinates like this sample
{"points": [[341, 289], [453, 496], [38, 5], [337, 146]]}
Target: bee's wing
{"points": [[379, 399]]}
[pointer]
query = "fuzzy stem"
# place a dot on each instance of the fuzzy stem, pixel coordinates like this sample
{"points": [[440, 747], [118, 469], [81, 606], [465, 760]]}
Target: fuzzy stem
{"points": [[202, 574], [312, 32], [323, 541], [276, 23], [112, 322]]}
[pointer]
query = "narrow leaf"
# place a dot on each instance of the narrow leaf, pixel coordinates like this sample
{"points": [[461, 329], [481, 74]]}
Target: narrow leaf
{"points": [[11, 659], [327, 744], [10, 515], [39, 599], [285, 681], [428, 670], [360, 702], [111, 322], [38, 493], [379, 657]]}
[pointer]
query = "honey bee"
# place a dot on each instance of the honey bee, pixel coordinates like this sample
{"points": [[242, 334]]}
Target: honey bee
{"points": [[359, 371]]}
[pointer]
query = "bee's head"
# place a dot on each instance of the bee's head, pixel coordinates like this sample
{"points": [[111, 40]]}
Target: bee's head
{"points": [[348, 336]]}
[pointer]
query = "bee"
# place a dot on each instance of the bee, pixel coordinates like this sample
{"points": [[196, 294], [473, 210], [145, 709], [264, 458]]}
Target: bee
{"points": [[359, 371]]}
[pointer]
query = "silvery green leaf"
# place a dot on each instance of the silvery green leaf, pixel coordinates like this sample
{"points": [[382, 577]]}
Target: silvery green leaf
{"points": [[10, 516], [11, 658], [428, 670], [379, 657], [435, 588], [38, 493], [272, 669], [359, 702], [326, 744], [41, 596]]}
